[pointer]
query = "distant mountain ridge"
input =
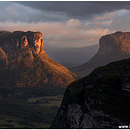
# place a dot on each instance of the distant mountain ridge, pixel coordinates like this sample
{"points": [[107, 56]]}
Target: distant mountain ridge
{"points": [[24, 63], [113, 47], [71, 56]]}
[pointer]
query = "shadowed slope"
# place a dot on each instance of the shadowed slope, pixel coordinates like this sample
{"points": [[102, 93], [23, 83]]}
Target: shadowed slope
{"points": [[113, 47], [24, 62], [100, 100]]}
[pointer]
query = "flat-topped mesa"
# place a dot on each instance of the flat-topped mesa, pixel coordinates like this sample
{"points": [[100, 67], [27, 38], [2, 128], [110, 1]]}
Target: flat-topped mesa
{"points": [[22, 56], [32, 39], [23, 40], [117, 43], [113, 47]]}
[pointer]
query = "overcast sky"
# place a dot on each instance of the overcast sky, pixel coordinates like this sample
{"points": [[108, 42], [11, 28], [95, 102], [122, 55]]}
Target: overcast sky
{"points": [[66, 24]]}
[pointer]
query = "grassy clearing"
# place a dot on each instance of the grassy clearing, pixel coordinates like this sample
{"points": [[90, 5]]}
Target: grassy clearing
{"points": [[47, 100], [34, 113]]}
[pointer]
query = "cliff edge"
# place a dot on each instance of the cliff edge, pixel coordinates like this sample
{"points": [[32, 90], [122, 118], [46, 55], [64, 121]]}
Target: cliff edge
{"points": [[24, 63], [100, 100], [112, 47]]}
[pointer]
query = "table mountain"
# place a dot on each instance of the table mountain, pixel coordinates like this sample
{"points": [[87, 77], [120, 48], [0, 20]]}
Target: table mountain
{"points": [[100, 100], [23, 62], [113, 47]]}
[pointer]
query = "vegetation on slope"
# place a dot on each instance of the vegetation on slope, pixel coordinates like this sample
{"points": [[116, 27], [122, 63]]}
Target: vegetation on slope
{"points": [[16, 114]]}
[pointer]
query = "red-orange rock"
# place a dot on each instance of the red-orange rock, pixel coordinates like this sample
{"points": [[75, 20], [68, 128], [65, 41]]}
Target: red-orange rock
{"points": [[28, 64]]}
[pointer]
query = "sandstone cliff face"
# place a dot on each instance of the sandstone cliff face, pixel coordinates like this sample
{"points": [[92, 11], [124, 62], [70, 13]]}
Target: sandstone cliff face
{"points": [[113, 47], [24, 62], [3, 60], [100, 100], [117, 44]]}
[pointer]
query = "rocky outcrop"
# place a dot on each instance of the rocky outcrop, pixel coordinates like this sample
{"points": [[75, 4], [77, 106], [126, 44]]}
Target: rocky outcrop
{"points": [[100, 100], [24, 63], [3, 60], [113, 47]]}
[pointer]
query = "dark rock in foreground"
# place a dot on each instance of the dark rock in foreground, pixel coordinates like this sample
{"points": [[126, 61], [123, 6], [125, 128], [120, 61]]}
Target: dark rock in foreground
{"points": [[100, 100]]}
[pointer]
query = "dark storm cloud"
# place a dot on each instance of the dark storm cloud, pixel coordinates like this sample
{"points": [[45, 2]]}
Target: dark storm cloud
{"points": [[66, 24], [13, 11], [77, 9]]}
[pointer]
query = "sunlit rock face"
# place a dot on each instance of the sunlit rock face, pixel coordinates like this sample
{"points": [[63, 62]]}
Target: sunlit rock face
{"points": [[116, 44], [22, 56], [113, 47], [21, 47], [24, 41], [3, 60], [36, 40]]}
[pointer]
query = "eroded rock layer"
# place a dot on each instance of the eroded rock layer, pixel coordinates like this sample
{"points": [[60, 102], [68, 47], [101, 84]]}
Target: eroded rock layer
{"points": [[24, 63], [113, 47]]}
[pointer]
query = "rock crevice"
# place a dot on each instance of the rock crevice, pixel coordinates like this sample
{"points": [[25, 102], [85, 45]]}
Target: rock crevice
{"points": [[100, 100], [22, 55]]}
